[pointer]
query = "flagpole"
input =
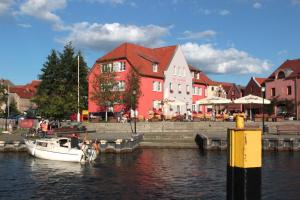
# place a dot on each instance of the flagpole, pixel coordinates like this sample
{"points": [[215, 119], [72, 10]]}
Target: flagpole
{"points": [[78, 113]]}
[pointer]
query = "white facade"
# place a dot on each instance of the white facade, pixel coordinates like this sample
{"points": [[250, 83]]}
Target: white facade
{"points": [[177, 85]]}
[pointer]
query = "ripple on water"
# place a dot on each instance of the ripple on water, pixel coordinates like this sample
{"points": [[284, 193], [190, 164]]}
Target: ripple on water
{"points": [[144, 174]]}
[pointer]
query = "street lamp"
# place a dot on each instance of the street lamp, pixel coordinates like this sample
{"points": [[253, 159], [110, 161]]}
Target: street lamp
{"points": [[7, 111], [263, 89], [134, 96]]}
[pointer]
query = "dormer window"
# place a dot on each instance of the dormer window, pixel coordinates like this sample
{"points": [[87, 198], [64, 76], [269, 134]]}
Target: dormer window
{"points": [[281, 75], [154, 67], [198, 75], [193, 74]]}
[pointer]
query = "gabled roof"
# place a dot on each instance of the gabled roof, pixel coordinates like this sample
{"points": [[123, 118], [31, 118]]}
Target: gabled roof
{"points": [[203, 79], [260, 81], [142, 58], [293, 65]]}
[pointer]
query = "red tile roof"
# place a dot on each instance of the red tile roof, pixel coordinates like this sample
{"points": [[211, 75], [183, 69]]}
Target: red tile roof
{"points": [[26, 91], [260, 80], [294, 65], [142, 58]]}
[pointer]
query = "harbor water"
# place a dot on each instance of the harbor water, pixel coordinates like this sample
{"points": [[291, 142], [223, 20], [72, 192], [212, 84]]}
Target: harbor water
{"points": [[143, 174]]}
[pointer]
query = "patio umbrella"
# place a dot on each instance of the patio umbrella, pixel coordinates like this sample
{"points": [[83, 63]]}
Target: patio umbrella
{"points": [[251, 99], [213, 101]]}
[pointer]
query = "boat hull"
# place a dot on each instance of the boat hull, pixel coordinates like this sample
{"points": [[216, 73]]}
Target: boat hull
{"points": [[55, 153]]}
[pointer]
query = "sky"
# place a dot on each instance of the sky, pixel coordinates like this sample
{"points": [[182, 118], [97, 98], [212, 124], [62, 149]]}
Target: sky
{"points": [[230, 40]]}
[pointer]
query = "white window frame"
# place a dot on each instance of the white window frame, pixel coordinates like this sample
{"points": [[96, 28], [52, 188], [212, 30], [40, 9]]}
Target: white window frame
{"points": [[200, 91], [154, 67], [156, 86], [122, 66]]}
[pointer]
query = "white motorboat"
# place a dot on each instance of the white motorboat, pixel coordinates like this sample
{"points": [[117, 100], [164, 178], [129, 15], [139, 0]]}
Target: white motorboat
{"points": [[62, 149]]}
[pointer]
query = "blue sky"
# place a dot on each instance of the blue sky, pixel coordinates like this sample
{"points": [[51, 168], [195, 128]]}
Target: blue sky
{"points": [[230, 40]]}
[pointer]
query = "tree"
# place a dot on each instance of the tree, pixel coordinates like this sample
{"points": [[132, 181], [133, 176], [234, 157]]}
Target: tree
{"points": [[105, 89], [13, 110], [57, 94], [132, 84]]}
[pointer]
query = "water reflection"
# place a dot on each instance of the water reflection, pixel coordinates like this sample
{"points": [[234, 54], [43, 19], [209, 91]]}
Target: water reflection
{"points": [[144, 174]]}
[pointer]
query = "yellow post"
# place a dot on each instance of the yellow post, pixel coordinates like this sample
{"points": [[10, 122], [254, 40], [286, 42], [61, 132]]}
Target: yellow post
{"points": [[240, 121], [244, 162]]}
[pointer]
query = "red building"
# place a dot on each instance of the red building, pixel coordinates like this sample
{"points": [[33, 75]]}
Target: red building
{"points": [[283, 89], [165, 77]]}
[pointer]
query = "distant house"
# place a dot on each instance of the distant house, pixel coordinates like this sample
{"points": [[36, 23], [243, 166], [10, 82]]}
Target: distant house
{"points": [[283, 88], [200, 85], [23, 94], [233, 92], [167, 83], [254, 87]]}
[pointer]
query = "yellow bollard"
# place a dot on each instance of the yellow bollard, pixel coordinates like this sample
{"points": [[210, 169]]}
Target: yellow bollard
{"points": [[244, 148], [240, 121]]}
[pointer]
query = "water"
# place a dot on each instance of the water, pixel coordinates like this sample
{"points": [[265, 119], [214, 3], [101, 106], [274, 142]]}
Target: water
{"points": [[144, 174]]}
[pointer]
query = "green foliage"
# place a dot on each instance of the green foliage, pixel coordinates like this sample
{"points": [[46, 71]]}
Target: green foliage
{"points": [[105, 89], [3, 96], [132, 84], [57, 94], [13, 110]]}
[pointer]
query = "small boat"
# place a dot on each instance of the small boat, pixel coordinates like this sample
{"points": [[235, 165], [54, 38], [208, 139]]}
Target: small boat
{"points": [[61, 149]]}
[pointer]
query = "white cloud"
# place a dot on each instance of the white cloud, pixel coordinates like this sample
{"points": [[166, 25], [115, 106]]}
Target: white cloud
{"points": [[114, 2], [198, 35], [257, 5], [43, 9], [218, 61], [283, 52], [4, 5], [295, 2], [224, 12], [107, 36], [25, 25]]}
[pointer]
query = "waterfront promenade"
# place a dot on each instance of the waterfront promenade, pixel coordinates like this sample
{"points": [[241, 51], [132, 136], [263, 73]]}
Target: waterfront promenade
{"points": [[174, 134]]}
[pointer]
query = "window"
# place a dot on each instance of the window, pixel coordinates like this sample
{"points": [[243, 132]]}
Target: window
{"points": [[198, 75], [200, 91], [154, 67], [156, 86], [121, 85], [179, 88], [273, 92], [171, 87], [194, 90], [212, 88], [174, 71], [122, 66], [156, 104], [184, 72], [281, 75], [178, 109], [289, 90], [187, 89], [116, 66], [197, 90], [193, 74], [193, 107]]}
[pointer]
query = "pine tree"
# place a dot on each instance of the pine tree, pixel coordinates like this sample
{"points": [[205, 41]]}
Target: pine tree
{"points": [[57, 93]]}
